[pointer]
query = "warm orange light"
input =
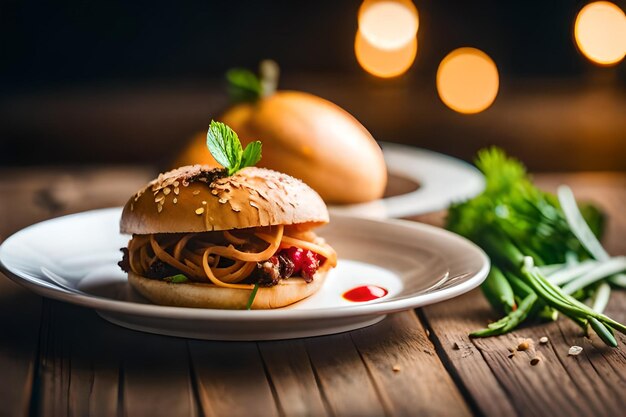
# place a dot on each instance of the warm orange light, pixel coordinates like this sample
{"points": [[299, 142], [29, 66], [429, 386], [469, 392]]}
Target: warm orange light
{"points": [[467, 80], [384, 63], [388, 24], [600, 32]]}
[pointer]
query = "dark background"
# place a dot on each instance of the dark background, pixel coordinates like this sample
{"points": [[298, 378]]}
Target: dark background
{"points": [[122, 81]]}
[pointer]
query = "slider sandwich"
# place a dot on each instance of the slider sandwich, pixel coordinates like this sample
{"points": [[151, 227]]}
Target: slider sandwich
{"points": [[232, 238]]}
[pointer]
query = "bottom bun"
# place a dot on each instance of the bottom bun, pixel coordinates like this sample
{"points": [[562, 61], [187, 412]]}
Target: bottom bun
{"points": [[199, 295]]}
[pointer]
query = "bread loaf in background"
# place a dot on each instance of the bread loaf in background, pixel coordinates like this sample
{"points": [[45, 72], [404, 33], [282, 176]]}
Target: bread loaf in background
{"points": [[308, 138]]}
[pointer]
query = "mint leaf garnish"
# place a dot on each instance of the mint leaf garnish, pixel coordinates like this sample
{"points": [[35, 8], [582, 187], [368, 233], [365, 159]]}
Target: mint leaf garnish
{"points": [[251, 155], [224, 145]]}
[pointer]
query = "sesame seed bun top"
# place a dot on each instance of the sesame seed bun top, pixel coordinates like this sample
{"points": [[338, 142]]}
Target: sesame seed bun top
{"points": [[198, 198]]}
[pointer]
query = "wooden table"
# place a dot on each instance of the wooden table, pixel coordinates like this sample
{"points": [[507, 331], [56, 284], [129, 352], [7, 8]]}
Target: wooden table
{"points": [[57, 359]]}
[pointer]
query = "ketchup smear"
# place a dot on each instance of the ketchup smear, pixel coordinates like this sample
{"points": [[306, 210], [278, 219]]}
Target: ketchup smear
{"points": [[365, 293]]}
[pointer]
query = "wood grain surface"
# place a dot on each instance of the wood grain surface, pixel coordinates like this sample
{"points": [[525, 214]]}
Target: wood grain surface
{"points": [[588, 384], [62, 360]]}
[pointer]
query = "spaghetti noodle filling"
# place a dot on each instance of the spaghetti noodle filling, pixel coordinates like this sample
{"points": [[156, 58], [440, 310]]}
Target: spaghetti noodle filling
{"points": [[235, 258]]}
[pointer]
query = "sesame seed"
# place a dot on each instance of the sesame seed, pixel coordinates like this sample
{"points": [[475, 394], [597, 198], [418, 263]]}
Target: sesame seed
{"points": [[396, 368], [534, 361], [204, 203], [196, 192], [200, 210], [543, 340], [176, 190], [159, 199], [176, 183], [166, 191], [159, 207], [175, 200]]}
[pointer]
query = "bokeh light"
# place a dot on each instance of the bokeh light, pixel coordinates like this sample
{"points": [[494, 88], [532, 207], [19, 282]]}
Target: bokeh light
{"points": [[388, 24], [384, 63], [467, 80], [386, 41], [600, 32]]}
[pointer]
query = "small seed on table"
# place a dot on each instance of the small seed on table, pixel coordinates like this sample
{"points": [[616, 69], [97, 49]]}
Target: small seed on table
{"points": [[543, 340], [200, 210], [396, 368], [524, 345], [534, 361], [575, 350]]}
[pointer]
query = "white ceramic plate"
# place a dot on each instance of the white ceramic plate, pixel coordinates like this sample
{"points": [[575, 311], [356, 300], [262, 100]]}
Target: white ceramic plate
{"points": [[73, 259], [442, 180]]}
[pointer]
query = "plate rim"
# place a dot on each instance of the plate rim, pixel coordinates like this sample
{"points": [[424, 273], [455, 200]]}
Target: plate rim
{"points": [[99, 303]]}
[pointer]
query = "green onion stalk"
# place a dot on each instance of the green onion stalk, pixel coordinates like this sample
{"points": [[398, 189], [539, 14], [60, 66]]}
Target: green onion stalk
{"points": [[538, 241]]}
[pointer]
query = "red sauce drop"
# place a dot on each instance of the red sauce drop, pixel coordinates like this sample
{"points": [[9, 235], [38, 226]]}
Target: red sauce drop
{"points": [[365, 293]]}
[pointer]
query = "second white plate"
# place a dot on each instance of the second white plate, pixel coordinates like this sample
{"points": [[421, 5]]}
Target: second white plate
{"points": [[442, 180]]}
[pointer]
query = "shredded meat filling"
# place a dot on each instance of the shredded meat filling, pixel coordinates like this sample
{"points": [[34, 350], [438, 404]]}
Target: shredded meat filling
{"points": [[269, 272]]}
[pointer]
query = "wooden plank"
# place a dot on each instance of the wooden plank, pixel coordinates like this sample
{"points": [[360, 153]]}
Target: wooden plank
{"points": [[78, 364], [95, 365], [292, 377], [20, 313], [36, 194], [231, 379], [343, 377], [52, 382], [588, 384], [449, 323], [28, 196], [156, 375], [81, 355], [408, 375]]}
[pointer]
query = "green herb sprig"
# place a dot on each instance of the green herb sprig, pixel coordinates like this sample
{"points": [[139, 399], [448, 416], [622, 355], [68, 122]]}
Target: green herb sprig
{"points": [[252, 296], [246, 86], [225, 146], [176, 279]]}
